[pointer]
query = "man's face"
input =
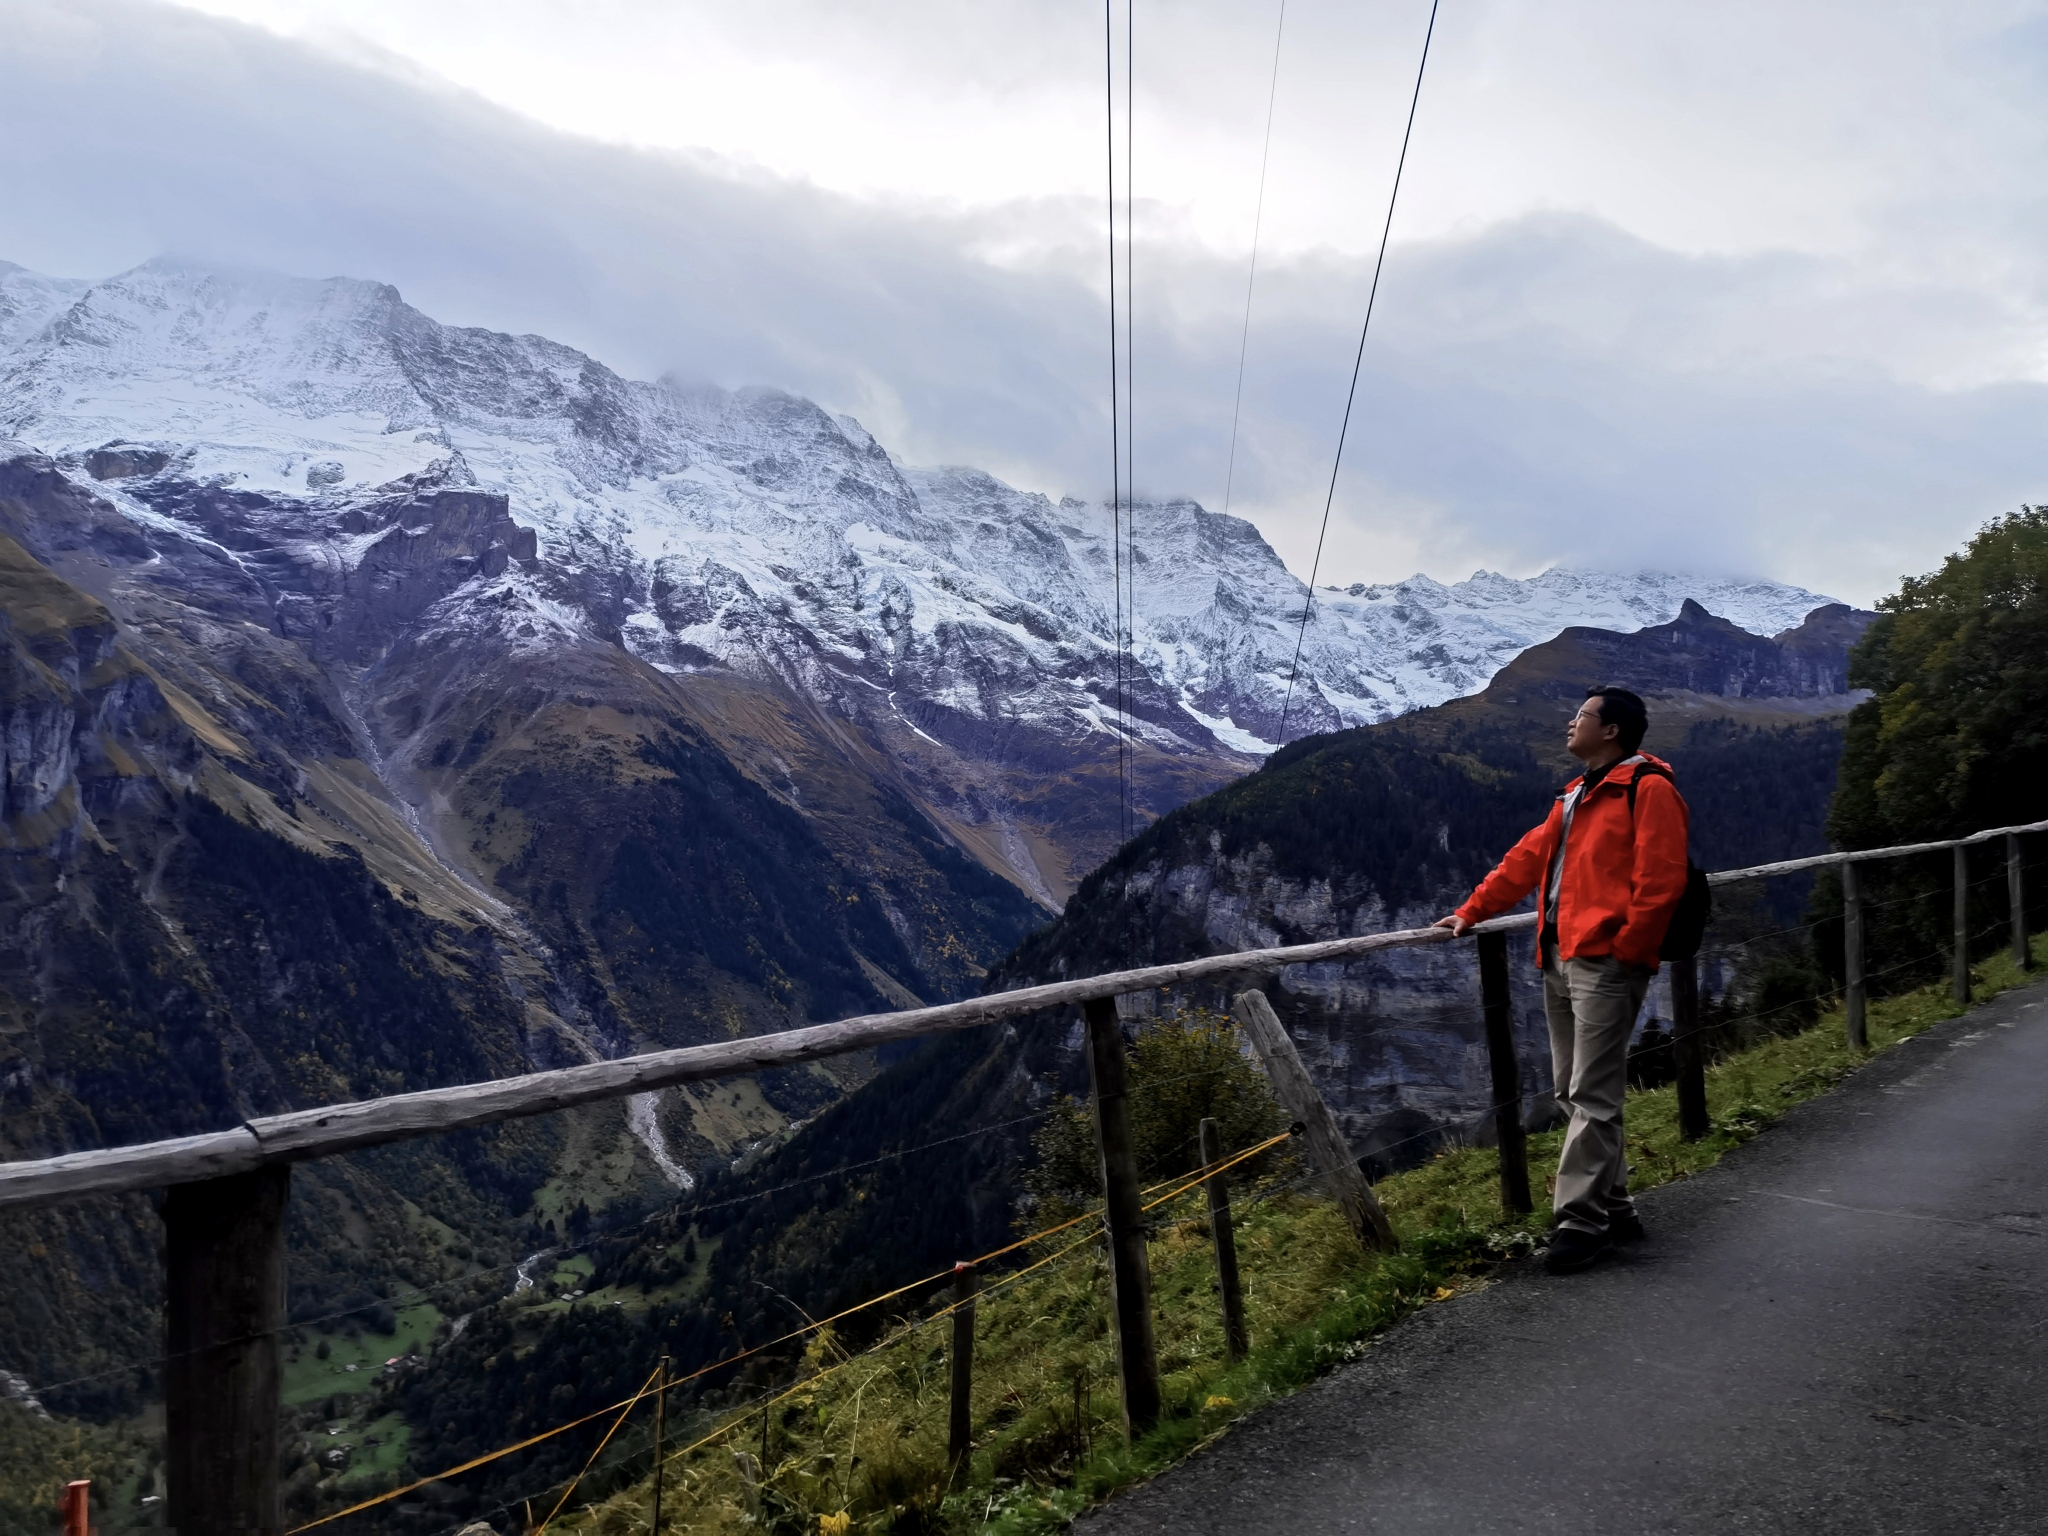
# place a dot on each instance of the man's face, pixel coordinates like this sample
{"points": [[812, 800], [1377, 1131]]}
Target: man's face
{"points": [[1587, 739]]}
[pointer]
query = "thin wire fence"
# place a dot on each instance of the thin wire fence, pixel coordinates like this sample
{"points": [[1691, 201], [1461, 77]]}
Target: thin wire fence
{"points": [[677, 1212], [737, 1416], [1223, 1165]]}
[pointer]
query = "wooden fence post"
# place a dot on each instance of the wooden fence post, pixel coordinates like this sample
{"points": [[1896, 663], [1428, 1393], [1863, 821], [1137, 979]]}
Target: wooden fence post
{"points": [[1962, 914], [960, 1424], [76, 1508], [1689, 1047], [2016, 898], [660, 1425], [1130, 1268], [224, 1317], [1854, 990], [1327, 1148], [750, 1482], [1229, 1289], [1498, 1005]]}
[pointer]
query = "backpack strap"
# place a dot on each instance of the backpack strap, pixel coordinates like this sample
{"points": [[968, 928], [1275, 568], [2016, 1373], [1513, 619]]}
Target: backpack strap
{"points": [[1642, 768]]}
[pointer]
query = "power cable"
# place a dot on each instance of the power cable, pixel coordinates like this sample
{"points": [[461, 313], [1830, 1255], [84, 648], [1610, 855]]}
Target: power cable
{"points": [[1130, 559], [1357, 362], [1116, 451], [1244, 339]]}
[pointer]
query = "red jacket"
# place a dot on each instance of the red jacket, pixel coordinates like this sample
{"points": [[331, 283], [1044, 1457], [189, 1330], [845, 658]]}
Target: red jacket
{"points": [[1622, 875]]}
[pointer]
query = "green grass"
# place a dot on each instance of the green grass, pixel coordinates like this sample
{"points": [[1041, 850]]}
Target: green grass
{"points": [[308, 1377], [867, 1439], [372, 1464]]}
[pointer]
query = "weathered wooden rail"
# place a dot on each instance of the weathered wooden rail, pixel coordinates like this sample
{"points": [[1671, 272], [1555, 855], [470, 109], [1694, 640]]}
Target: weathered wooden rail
{"points": [[224, 1220]]}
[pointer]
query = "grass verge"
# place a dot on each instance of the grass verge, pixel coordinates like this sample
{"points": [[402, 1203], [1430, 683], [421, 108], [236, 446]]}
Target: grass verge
{"points": [[861, 1446]]}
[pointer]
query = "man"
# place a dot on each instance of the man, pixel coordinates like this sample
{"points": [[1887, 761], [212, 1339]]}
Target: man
{"points": [[1611, 863]]}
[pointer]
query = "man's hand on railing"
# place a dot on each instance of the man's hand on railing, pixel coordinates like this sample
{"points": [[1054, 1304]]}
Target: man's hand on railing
{"points": [[1455, 923]]}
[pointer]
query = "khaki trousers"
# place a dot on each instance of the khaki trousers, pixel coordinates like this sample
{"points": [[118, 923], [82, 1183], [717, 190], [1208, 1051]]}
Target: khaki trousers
{"points": [[1591, 1005]]}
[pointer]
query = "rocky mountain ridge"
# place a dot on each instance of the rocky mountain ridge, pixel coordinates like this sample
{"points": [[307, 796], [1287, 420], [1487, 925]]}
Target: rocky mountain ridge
{"points": [[960, 626]]}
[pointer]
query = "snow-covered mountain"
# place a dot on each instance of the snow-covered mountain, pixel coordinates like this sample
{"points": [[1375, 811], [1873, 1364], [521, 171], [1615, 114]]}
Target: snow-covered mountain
{"points": [[754, 529], [750, 534]]}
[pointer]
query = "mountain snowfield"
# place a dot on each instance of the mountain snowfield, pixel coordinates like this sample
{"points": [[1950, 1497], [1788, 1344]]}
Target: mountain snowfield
{"points": [[751, 530]]}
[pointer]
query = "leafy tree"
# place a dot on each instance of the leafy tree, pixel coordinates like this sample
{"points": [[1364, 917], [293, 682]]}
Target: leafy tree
{"points": [[1956, 735], [1953, 739], [1187, 1068]]}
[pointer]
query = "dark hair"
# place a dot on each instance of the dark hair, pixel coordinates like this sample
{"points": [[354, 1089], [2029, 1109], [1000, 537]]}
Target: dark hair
{"points": [[1622, 708]]}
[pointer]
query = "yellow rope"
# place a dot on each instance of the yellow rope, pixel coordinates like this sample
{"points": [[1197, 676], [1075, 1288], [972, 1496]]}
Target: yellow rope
{"points": [[815, 1377], [819, 1375], [607, 1440], [468, 1466], [795, 1333], [1204, 1175]]}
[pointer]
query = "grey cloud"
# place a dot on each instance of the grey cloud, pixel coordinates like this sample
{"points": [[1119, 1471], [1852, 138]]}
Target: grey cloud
{"points": [[1549, 388]]}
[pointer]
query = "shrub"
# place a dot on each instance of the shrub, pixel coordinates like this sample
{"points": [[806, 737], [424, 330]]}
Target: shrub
{"points": [[1184, 1069]]}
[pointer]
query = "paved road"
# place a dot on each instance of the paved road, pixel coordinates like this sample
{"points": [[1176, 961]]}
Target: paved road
{"points": [[1842, 1328]]}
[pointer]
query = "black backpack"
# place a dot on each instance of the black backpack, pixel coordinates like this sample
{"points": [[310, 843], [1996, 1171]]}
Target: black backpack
{"points": [[1689, 922]]}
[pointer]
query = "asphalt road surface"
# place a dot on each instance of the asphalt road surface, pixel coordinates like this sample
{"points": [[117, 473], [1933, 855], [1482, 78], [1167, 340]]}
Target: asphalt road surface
{"points": [[1842, 1328]]}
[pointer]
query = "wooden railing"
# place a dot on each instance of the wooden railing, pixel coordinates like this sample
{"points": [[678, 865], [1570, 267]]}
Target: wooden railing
{"points": [[224, 1214]]}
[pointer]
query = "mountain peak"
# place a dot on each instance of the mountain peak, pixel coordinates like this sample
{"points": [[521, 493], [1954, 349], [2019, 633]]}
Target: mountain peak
{"points": [[754, 531]]}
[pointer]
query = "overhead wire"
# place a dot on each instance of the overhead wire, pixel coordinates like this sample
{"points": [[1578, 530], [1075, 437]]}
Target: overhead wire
{"points": [[1116, 451], [1357, 362], [1131, 402], [1244, 339]]}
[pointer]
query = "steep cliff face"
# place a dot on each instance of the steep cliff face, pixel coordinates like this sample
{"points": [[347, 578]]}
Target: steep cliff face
{"points": [[187, 944], [1389, 826]]}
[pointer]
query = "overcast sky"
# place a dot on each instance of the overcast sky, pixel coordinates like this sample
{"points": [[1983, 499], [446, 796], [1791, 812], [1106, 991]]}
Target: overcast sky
{"points": [[1747, 288]]}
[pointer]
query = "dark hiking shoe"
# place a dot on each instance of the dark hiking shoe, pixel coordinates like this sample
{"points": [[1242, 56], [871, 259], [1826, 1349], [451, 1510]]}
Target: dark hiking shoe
{"points": [[1572, 1250], [1626, 1229]]}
